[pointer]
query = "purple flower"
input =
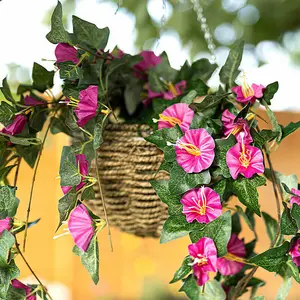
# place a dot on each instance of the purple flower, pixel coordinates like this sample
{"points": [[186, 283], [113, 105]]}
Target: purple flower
{"points": [[295, 252], [16, 126], [295, 199], [19, 285], [30, 101], [5, 224], [65, 52]]}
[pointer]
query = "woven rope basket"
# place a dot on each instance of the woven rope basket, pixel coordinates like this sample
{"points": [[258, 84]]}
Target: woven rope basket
{"points": [[126, 164]]}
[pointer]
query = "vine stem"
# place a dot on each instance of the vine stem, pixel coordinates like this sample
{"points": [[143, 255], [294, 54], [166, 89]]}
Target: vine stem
{"points": [[31, 270], [19, 159], [33, 180], [103, 202]]}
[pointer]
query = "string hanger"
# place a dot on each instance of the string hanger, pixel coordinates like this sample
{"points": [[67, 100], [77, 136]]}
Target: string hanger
{"points": [[205, 29]]}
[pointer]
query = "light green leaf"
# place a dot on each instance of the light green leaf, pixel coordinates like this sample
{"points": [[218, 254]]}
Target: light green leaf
{"points": [[183, 270], [188, 99], [295, 212], [293, 269], [284, 289], [8, 202], [69, 71]]}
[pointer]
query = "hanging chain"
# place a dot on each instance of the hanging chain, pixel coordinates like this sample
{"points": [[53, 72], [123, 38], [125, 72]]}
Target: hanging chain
{"points": [[205, 29]]}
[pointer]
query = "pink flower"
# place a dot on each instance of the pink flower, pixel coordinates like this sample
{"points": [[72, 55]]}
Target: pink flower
{"points": [[295, 252], [236, 249], [244, 159], [295, 199], [176, 114], [86, 107], [204, 255], [65, 52], [201, 204], [149, 61], [16, 126], [195, 150], [19, 285], [84, 171], [246, 93], [30, 101], [235, 128], [5, 224], [81, 227]]}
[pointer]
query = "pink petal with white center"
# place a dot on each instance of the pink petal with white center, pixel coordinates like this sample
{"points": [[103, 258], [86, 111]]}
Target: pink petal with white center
{"points": [[189, 160], [81, 227], [295, 199], [5, 224]]}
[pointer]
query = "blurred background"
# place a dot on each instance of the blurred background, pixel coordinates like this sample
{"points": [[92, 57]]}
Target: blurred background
{"points": [[141, 268]]}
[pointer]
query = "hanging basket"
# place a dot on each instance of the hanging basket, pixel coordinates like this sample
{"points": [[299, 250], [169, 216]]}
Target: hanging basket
{"points": [[126, 164]]}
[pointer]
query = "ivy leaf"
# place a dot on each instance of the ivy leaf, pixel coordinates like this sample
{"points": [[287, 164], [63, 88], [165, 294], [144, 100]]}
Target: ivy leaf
{"points": [[271, 225], [295, 212], [58, 34], [197, 86], [155, 83], [219, 230], [213, 290], [180, 181], [98, 131], [88, 194], [243, 112], [88, 35], [236, 223], [29, 153], [42, 78], [202, 69], [188, 99], [284, 289], [132, 95], [262, 137], [65, 205], [273, 259], [287, 224], [90, 259], [6, 112], [15, 294], [8, 202], [209, 102], [293, 269], [230, 70], [161, 188], [69, 71], [222, 147], [269, 92], [68, 171], [6, 91], [183, 270], [176, 226], [246, 218], [289, 129]]}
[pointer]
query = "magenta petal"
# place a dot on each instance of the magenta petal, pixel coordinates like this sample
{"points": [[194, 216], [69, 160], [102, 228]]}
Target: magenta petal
{"points": [[65, 52], [66, 189], [149, 60], [16, 126], [81, 227], [295, 199], [30, 101], [5, 224], [19, 285], [258, 90], [295, 252], [179, 87]]}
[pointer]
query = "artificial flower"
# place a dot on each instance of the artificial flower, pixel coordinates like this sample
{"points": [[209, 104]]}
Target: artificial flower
{"points": [[83, 165], [295, 252], [30, 101], [87, 105], [81, 227], [201, 204], [195, 150], [295, 199], [172, 92], [246, 93], [235, 128], [244, 159], [204, 255], [5, 224], [149, 61], [236, 249], [66, 52], [176, 114], [16, 127], [28, 290]]}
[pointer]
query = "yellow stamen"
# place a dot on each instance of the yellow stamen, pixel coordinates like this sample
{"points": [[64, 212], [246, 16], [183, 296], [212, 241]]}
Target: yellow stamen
{"points": [[172, 89], [245, 156], [237, 129], [246, 89], [73, 102], [189, 148], [172, 120], [201, 208], [105, 111], [250, 116]]}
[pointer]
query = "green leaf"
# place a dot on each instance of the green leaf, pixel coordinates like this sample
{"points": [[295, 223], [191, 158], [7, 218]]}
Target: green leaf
{"points": [[222, 146], [198, 86], [8, 202], [246, 191], [295, 212], [293, 269], [65, 205], [7, 241], [98, 131], [258, 298], [236, 223], [88, 194], [6, 91], [269, 92], [213, 290], [243, 112], [183, 270], [284, 289], [15, 294], [219, 230], [273, 259], [88, 35], [180, 181], [155, 83], [90, 259], [245, 217], [29, 153], [287, 225], [161, 188], [271, 225], [132, 95], [176, 226], [209, 102], [5, 171], [202, 69], [42, 78], [68, 171], [188, 99], [230, 70], [289, 129], [262, 137], [6, 112], [69, 71], [58, 34]]}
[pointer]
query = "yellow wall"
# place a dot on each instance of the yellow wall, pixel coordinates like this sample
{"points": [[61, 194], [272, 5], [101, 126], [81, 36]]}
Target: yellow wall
{"points": [[122, 273]]}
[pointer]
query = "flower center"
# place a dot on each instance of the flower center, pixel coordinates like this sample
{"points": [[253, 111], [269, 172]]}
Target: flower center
{"points": [[73, 102], [200, 208], [237, 129], [245, 156], [172, 120], [172, 89], [201, 260], [189, 148], [246, 89]]}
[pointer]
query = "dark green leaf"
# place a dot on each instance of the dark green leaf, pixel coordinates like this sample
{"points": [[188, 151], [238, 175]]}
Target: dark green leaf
{"points": [[201, 69], [42, 78], [29, 153], [209, 102], [98, 138], [273, 259], [132, 95], [287, 224], [88, 194], [289, 129], [262, 137], [197, 86], [269, 92], [236, 223], [245, 218], [230, 70], [293, 269], [70, 71], [295, 212], [219, 230], [6, 112], [90, 259], [243, 113], [7, 273], [8, 202], [15, 294], [5, 171], [6, 91], [183, 270], [155, 83], [271, 225]]}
